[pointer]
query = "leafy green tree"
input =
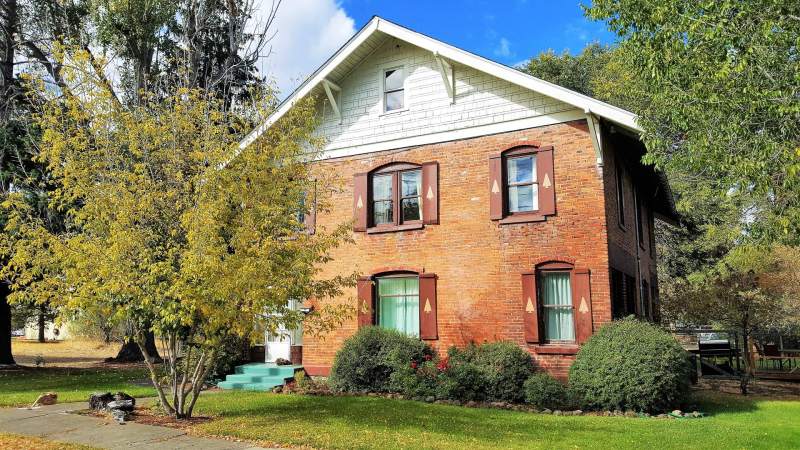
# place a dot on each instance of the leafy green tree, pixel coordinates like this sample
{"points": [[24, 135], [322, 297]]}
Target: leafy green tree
{"points": [[720, 80], [178, 238]]}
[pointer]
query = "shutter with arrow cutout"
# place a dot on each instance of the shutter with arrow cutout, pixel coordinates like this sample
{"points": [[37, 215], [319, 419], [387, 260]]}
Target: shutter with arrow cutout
{"points": [[530, 308], [582, 305], [428, 328]]}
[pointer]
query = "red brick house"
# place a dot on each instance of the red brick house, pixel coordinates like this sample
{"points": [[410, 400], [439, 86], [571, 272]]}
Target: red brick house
{"points": [[487, 204]]}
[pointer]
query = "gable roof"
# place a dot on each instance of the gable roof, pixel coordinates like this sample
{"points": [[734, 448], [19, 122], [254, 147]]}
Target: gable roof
{"points": [[377, 30]]}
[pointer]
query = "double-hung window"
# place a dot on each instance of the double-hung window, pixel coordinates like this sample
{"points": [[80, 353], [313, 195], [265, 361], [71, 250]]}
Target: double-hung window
{"points": [[394, 89], [398, 303], [521, 184], [395, 186], [556, 300]]}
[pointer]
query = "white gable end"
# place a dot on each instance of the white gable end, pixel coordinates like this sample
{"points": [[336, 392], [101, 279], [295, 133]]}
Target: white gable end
{"points": [[482, 102]]}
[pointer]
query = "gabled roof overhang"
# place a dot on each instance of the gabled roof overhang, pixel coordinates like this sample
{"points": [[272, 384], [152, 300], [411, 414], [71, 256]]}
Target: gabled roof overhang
{"points": [[377, 30]]}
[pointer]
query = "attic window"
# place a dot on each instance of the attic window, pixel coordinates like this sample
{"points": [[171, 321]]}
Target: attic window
{"points": [[393, 89]]}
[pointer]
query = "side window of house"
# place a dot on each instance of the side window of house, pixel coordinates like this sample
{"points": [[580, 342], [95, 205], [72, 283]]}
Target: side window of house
{"points": [[522, 188], [403, 301], [556, 297], [522, 185], [620, 195], [617, 294], [398, 304], [639, 226], [396, 197], [394, 89], [399, 196]]}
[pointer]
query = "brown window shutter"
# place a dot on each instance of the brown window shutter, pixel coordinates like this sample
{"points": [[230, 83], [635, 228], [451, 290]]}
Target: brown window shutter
{"points": [[311, 214], [366, 301], [582, 304], [547, 186], [530, 307], [428, 328], [496, 188], [360, 202], [430, 193]]}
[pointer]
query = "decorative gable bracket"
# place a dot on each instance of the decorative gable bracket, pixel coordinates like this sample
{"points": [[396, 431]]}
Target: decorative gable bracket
{"points": [[330, 85], [448, 75]]}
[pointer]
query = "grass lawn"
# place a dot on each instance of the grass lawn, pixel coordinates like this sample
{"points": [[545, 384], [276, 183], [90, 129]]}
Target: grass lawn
{"points": [[31, 443], [21, 387], [369, 422]]}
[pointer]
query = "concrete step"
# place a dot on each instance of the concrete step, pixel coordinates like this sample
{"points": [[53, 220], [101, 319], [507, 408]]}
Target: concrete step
{"points": [[258, 377], [247, 386], [249, 378]]}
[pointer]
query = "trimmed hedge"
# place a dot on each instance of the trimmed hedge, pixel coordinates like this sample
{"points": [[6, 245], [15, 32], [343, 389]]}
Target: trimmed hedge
{"points": [[630, 364], [544, 391], [367, 360], [504, 367]]}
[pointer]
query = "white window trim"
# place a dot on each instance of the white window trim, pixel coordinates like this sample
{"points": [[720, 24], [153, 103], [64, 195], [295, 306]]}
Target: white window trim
{"points": [[382, 85]]}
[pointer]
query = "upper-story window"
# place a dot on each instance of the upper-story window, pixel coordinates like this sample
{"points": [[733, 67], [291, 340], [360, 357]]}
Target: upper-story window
{"points": [[394, 89], [396, 196], [522, 188], [620, 195], [521, 183]]}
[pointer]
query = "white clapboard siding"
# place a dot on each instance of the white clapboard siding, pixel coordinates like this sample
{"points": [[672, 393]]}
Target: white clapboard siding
{"points": [[480, 100]]}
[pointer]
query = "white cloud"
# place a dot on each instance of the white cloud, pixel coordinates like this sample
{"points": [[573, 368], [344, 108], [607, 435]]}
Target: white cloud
{"points": [[503, 49], [308, 32]]}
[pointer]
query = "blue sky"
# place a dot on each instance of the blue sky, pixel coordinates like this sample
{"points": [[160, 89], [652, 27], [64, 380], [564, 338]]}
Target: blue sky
{"points": [[507, 31]]}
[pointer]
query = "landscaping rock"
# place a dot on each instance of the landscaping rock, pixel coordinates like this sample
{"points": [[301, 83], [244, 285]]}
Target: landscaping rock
{"points": [[123, 396], [677, 412], [471, 404], [98, 401], [557, 412], [121, 405], [48, 398], [283, 362], [630, 413], [662, 416], [430, 399], [577, 412], [546, 411], [119, 415]]}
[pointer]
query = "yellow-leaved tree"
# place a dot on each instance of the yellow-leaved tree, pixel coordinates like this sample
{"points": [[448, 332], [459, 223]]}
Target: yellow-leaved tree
{"points": [[178, 237]]}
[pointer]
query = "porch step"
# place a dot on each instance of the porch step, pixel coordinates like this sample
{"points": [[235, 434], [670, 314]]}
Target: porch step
{"points": [[258, 377]]}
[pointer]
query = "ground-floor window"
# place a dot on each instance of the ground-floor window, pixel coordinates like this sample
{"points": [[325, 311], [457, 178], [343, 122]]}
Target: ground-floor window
{"points": [[398, 303], [556, 292]]}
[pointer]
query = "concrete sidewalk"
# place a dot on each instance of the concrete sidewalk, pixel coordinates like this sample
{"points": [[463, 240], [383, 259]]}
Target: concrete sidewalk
{"points": [[57, 424]]}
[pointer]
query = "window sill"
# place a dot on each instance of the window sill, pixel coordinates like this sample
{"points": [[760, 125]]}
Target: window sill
{"points": [[522, 218], [556, 349], [394, 229], [391, 113]]}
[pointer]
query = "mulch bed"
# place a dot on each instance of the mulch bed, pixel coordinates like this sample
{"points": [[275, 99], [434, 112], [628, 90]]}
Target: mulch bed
{"points": [[149, 416]]}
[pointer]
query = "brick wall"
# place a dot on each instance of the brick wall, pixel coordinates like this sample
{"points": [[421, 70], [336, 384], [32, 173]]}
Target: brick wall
{"points": [[478, 262], [623, 246]]}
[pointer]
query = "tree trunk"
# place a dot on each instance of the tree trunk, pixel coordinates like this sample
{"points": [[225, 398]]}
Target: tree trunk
{"points": [[131, 352], [6, 357], [41, 324], [8, 32]]}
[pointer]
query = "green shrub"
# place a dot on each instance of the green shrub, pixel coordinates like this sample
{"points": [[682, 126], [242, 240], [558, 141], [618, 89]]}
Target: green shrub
{"points": [[367, 359], [544, 391], [461, 380], [504, 366], [630, 364], [416, 379]]}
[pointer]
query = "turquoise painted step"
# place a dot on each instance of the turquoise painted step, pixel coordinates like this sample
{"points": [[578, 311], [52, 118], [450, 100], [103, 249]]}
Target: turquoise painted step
{"points": [[246, 386], [248, 378], [258, 377]]}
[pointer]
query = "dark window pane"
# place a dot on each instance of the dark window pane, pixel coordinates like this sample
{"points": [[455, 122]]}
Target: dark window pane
{"points": [[411, 183], [394, 80], [411, 209], [382, 212], [522, 169], [523, 198], [382, 187], [394, 100]]}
